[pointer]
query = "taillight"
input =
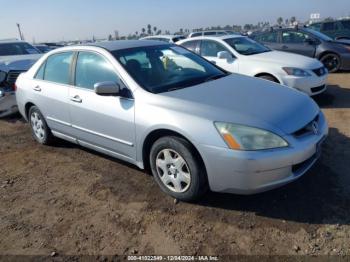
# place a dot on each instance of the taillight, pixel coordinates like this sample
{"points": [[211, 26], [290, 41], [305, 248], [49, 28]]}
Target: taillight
{"points": [[14, 87]]}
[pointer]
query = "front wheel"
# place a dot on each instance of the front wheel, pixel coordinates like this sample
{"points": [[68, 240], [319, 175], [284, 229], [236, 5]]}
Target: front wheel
{"points": [[269, 78], [40, 130], [177, 169], [331, 62]]}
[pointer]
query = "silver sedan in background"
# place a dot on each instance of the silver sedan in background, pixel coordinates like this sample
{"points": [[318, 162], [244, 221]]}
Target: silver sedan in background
{"points": [[162, 107]]}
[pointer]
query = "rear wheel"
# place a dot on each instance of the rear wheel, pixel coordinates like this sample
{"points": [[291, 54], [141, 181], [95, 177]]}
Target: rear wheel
{"points": [[331, 62], [40, 130], [177, 170]]}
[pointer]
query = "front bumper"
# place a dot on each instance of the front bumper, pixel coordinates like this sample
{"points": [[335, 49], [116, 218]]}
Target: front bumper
{"points": [[250, 172], [311, 85], [8, 103]]}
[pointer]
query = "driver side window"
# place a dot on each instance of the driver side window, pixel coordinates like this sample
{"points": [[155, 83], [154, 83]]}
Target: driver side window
{"points": [[211, 48], [92, 68], [294, 37]]}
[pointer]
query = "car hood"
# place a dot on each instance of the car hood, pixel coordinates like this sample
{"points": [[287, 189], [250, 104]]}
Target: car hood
{"points": [[287, 59], [19, 62], [245, 100], [343, 41]]}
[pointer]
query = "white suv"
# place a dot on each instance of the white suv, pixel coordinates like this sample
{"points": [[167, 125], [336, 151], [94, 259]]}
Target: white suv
{"points": [[240, 54]]}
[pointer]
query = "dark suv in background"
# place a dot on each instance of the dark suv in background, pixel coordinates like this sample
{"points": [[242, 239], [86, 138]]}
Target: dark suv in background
{"points": [[335, 29], [334, 54]]}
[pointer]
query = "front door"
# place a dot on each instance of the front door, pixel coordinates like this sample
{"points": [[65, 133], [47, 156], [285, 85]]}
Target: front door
{"points": [[297, 42], [209, 49], [103, 123]]}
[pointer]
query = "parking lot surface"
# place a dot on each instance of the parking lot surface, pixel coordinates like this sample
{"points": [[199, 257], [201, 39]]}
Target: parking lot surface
{"points": [[72, 201]]}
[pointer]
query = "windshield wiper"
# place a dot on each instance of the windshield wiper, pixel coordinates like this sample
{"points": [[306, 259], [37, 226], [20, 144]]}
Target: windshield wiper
{"points": [[214, 77]]}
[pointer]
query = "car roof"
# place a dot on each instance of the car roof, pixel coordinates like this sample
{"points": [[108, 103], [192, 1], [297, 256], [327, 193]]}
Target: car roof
{"points": [[213, 37], [11, 41], [124, 44], [161, 36]]}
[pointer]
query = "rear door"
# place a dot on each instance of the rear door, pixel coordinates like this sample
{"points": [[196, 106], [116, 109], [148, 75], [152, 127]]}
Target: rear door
{"points": [[296, 41], [51, 85], [103, 123]]}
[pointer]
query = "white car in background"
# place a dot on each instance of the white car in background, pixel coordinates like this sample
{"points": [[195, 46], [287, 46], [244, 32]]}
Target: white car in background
{"points": [[240, 54], [165, 38]]}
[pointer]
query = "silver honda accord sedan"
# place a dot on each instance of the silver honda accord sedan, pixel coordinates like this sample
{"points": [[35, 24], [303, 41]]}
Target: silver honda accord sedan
{"points": [[164, 108]]}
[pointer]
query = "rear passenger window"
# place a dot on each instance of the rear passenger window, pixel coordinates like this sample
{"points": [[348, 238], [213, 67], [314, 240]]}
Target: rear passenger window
{"points": [[268, 37], [40, 73], [196, 34], [191, 45], [91, 69], [209, 33], [58, 68]]}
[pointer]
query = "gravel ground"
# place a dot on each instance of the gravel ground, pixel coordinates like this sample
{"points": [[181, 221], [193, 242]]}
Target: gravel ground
{"points": [[72, 201]]}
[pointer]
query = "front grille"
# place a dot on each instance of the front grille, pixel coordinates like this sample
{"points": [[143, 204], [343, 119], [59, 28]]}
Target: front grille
{"points": [[320, 71], [12, 76], [306, 130], [318, 88]]}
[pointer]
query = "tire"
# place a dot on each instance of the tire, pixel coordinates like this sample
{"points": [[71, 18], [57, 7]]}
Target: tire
{"points": [[177, 169], [331, 62], [269, 78], [40, 130]]}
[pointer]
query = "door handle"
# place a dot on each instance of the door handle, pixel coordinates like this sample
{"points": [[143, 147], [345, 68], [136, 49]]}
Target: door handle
{"points": [[76, 99], [213, 62], [37, 88]]}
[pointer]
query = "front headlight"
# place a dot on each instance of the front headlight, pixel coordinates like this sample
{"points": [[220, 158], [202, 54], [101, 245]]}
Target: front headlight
{"points": [[247, 138], [295, 71], [2, 76]]}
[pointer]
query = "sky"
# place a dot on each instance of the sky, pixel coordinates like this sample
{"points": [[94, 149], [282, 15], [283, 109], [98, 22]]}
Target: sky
{"points": [[58, 20]]}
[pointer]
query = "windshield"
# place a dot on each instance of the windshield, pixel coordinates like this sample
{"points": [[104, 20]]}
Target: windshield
{"points": [[346, 24], [246, 46], [9, 49], [165, 68], [320, 35], [178, 38]]}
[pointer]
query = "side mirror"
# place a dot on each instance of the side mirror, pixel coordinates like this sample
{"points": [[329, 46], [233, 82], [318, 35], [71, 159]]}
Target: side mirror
{"points": [[107, 88], [224, 55]]}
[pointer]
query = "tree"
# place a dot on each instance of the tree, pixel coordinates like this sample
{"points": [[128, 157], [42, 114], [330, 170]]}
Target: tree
{"points": [[293, 19], [159, 32], [110, 38], [279, 21], [287, 22], [329, 19], [155, 29], [149, 29], [143, 31]]}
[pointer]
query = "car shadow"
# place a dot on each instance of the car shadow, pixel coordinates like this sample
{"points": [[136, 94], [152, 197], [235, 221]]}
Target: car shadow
{"points": [[316, 198], [13, 118], [334, 97]]}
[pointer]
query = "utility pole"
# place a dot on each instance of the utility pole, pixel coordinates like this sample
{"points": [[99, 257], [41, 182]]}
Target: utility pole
{"points": [[20, 32]]}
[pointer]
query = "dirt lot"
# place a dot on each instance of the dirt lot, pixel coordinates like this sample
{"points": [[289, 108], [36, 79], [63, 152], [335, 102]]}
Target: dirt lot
{"points": [[73, 201]]}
